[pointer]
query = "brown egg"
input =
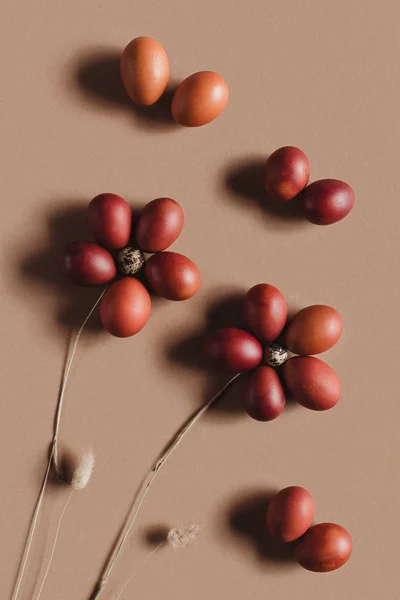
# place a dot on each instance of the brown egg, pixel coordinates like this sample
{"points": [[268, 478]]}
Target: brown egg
{"points": [[312, 382], [286, 173], [290, 513], [144, 70], [200, 99], [110, 220], [313, 330], [159, 225], [327, 201], [265, 311], [233, 349], [172, 276], [263, 395], [88, 264], [325, 547], [125, 307]]}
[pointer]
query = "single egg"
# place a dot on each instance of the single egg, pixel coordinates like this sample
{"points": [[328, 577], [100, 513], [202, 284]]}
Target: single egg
{"points": [[233, 349], [144, 70], [312, 382], [263, 395], [290, 513], [265, 311], [275, 355], [87, 264], [130, 260], [159, 225], [200, 99], [286, 173], [313, 330], [110, 220], [327, 201], [125, 307], [325, 547], [172, 276]]}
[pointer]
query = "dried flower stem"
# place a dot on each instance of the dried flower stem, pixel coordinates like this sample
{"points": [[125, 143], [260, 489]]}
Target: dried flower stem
{"points": [[140, 568], [152, 476]]}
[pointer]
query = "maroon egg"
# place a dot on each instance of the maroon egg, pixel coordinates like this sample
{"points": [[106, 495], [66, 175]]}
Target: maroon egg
{"points": [[110, 220], [159, 225], [263, 395], [233, 350], [325, 547], [265, 311], [313, 330], [286, 173], [86, 263], [172, 275], [312, 382], [290, 513], [125, 307], [327, 201]]}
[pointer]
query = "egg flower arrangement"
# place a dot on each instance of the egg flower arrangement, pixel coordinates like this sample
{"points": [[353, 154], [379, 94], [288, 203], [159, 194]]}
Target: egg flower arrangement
{"points": [[119, 253], [313, 330]]}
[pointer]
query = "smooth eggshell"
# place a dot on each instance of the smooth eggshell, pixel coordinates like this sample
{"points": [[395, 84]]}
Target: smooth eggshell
{"points": [[233, 350], [312, 382], [290, 513], [286, 173], [263, 395], [159, 225], [313, 330], [110, 220], [265, 311], [172, 275], [144, 70], [327, 201], [200, 99], [88, 264], [325, 547], [125, 307]]}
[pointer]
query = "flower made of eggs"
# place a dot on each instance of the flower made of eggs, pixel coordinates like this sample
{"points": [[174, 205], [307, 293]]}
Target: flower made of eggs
{"points": [[119, 254], [313, 330]]}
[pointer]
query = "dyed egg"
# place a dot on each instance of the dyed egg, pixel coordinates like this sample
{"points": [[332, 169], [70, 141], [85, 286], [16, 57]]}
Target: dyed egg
{"points": [[86, 263], [325, 547], [263, 396], [159, 225], [144, 70], [312, 382], [200, 99], [313, 330], [110, 220], [125, 307], [327, 201], [265, 311], [286, 173], [172, 276], [233, 350], [290, 513]]}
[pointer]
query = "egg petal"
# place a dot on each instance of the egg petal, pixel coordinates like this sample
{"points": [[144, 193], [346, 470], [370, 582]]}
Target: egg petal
{"points": [[160, 224], [88, 264], [125, 307], [313, 330], [312, 382], [233, 349], [263, 395], [172, 276], [110, 220]]}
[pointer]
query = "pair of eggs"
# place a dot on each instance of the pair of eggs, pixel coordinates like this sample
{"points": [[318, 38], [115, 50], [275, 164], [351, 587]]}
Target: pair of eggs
{"points": [[145, 71], [320, 548]]}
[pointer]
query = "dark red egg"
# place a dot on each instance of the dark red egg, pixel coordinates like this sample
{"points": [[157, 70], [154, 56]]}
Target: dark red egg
{"points": [[312, 382], [172, 275], [110, 220], [313, 330], [327, 201], [324, 547], [290, 513], [159, 225], [263, 395], [233, 350], [265, 311], [88, 264], [286, 173], [125, 307]]}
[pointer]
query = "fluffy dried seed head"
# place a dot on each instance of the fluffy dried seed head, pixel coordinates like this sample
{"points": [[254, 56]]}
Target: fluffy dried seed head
{"points": [[183, 536], [83, 472]]}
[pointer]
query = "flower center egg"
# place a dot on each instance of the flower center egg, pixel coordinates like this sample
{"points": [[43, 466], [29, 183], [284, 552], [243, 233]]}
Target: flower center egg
{"points": [[275, 354], [130, 260]]}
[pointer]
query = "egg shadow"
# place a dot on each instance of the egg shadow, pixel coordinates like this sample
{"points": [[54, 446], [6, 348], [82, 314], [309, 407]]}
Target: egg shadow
{"points": [[244, 180], [96, 78]]}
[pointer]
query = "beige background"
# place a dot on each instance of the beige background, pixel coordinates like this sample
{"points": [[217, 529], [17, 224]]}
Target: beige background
{"points": [[318, 74]]}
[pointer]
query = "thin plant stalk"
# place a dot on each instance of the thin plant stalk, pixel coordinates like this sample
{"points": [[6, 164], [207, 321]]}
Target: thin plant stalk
{"points": [[151, 478], [53, 456], [146, 560]]}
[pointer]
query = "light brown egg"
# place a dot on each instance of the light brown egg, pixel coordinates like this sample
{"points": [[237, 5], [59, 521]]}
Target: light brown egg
{"points": [[144, 70], [125, 308], [200, 99], [313, 330]]}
